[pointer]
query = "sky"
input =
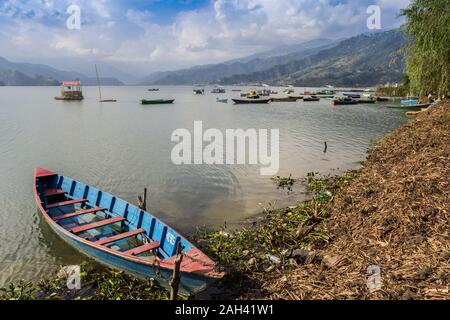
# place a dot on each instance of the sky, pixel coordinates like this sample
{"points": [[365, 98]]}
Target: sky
{"points": [[143, 36]]}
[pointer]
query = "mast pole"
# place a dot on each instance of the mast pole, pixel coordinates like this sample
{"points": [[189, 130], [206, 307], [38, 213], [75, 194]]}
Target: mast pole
{"points": [[98, 82]]}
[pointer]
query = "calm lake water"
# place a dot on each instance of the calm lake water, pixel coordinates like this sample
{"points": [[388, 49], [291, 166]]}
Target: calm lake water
{"points": [[123, 147]]}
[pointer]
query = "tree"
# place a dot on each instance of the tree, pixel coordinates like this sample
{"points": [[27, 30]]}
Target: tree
{"points": [[428, 54]]}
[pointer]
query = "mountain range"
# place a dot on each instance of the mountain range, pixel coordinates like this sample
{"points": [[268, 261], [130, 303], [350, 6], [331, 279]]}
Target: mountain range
{"points": [[28, 74], [363, 60]]}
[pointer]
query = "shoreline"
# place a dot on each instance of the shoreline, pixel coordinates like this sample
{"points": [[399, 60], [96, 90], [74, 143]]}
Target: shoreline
{"points": [[303, 251]]}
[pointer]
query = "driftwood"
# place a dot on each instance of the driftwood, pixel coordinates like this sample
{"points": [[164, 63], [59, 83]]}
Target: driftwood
{"points": [[175, 281]]}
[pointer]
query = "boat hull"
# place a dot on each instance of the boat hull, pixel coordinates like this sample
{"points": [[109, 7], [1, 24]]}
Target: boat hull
{"points": [[251, 101], [157, 101], [195, 275]]}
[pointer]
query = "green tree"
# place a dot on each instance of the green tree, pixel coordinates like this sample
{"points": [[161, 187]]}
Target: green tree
{"points": [[428, 54]]}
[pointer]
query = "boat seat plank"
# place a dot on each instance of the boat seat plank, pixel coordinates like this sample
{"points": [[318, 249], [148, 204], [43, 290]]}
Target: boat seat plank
{"points": [[120, 236], [78, 213], [145, 247], [53, 192], [65, 203], [95, 225]]}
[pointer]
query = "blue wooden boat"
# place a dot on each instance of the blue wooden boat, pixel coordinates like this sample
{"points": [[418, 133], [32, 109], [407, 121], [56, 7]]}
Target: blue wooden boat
{"points": [[118, 234]]}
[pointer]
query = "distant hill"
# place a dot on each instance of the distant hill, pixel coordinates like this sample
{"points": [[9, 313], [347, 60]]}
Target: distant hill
{"points": [[28, 74], [364, 60], [213, 72]]}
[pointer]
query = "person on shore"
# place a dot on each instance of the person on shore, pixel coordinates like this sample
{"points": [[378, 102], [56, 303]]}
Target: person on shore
{"points": [[430, 98]]}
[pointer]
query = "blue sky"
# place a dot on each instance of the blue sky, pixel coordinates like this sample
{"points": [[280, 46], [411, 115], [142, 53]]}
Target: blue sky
{"points": [[142, 36]]}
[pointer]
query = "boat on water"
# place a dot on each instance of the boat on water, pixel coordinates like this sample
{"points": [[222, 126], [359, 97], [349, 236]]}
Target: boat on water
{"points": [[153, 89], [311, 98], [157, 101], [118, 234], [409, 102], [71, 91], [236, 90], [284, 99], [410, 107], [100, 90], [289, 90], [365, 101], [381, 99], [344, 101], [221, 100], [198, 91], [218, 89], [251, 100], [351, 95]]}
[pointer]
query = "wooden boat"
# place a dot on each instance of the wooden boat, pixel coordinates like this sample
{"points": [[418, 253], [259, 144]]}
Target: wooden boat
{"points": [[344, 101], [251, 101], [157, 101], [352, 95], [221, 100], [297, 97], [311, 98], [71, 91], [284, 99], [218, 89], [118, 234], [365, 101], [415, 107]]}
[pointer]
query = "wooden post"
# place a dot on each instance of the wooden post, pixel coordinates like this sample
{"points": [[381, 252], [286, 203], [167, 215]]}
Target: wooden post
{"points": [[175, 281], [142, 201]]}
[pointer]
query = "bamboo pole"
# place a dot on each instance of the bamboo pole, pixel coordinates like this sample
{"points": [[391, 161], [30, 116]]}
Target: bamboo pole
{"points": [[142, 201], [175, 281]]}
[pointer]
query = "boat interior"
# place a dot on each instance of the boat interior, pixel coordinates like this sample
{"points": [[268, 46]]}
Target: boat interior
{"points": [[106, 220]]}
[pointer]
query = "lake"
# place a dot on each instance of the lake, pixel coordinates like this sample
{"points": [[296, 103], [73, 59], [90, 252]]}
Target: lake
{"points": [[123, 147]]}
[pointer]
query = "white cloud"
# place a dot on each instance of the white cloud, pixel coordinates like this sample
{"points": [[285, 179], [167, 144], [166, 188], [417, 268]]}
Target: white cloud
{"points": [[225, 29]]}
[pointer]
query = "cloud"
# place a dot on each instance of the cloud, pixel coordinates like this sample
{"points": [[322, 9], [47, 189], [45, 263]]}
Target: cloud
{"points": [[137, 38]]}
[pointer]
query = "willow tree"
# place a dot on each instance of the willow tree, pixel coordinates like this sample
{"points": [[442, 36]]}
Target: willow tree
{"points": [[428, 54]]}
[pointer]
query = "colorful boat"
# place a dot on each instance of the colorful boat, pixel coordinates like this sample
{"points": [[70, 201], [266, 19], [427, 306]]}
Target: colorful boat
{"points": [[409, 102], [412, 107], [118, 234], [221, 100], [352, 95], [344, 101], [70, 91], [284, 99], [157, 101], [251, 101]]}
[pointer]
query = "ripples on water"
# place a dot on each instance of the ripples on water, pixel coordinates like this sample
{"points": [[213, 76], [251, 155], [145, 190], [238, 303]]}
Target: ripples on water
{"points": [[123, 147]]}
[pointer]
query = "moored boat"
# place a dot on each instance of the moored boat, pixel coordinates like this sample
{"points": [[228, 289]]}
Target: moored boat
{"points": [[157, 101], [351, 95], [311, 98], [250, 101], [411, 107], [344, 101], [365, 101], [118, 234], [218, 89], [221, 100], [284, 99], [153, 89]]}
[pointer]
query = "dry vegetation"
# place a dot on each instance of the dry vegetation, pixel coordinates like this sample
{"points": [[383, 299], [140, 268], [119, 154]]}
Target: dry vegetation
{"points": [[395, 215]]}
